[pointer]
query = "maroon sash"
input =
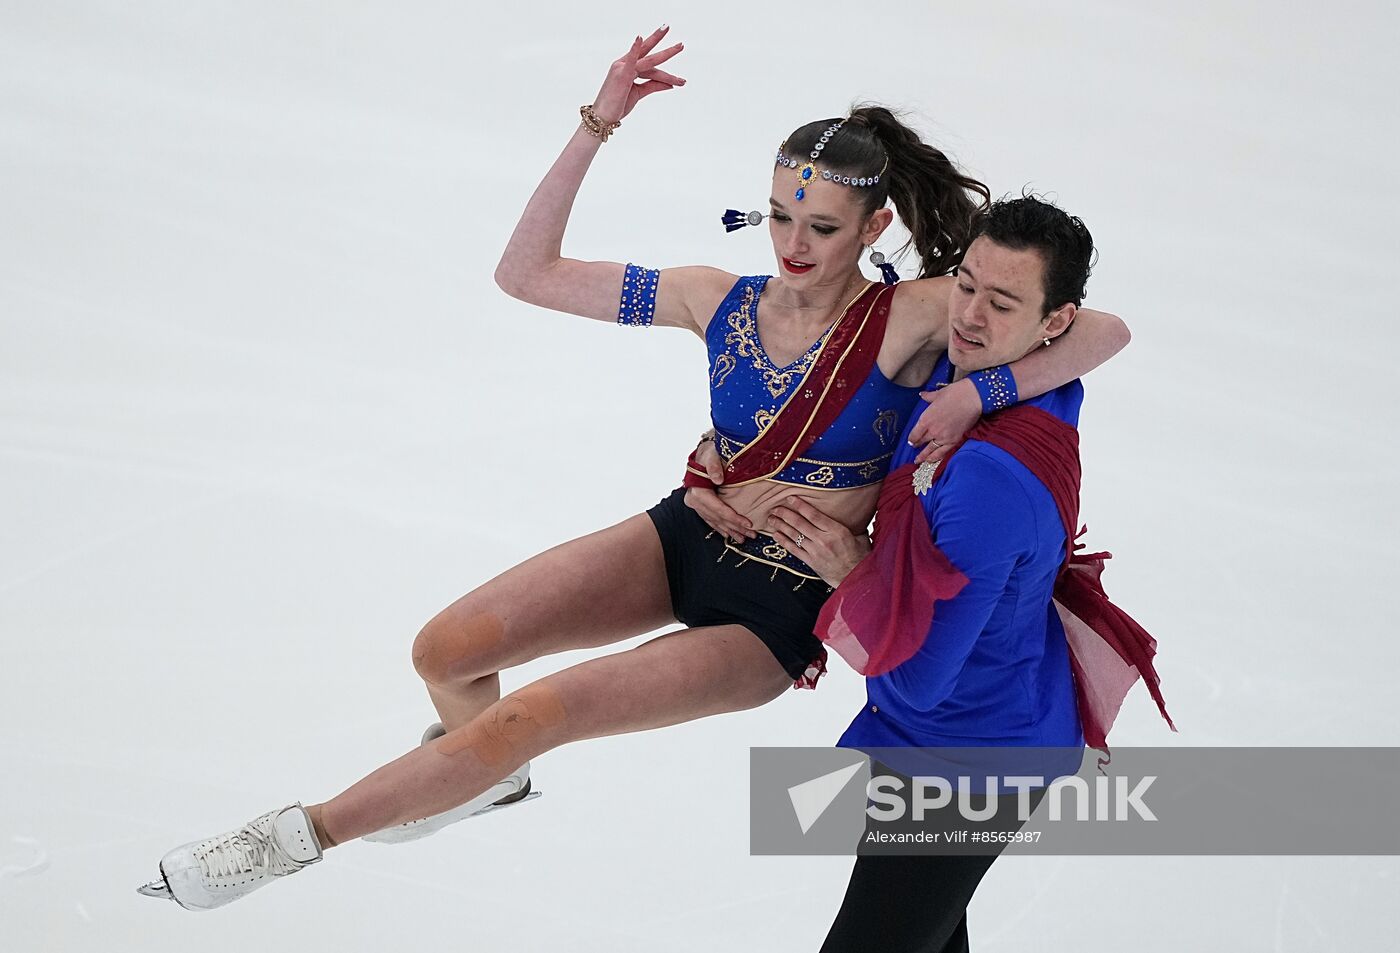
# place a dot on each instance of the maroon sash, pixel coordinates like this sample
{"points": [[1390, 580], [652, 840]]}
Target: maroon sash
{"points": [[842, 365], [881, 613]]}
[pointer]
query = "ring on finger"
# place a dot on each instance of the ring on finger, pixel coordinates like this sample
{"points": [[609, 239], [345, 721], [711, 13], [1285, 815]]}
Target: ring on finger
{"points": [[800, 539]]}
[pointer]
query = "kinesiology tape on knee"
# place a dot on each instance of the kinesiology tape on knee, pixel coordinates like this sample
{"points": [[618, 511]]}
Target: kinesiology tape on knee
{"points": [[502, 735], [450, 651]]}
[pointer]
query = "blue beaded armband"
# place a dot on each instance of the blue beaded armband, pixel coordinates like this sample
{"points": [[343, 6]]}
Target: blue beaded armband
{"points": [[997, 387], [638, 305]]}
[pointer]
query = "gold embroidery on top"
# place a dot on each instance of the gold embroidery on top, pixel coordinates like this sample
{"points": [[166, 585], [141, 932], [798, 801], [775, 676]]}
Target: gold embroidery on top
{"points": [[763, 418], [834, 463], [724, 365], [884, 426], [745, 342], [824, 473], [820, 347]]}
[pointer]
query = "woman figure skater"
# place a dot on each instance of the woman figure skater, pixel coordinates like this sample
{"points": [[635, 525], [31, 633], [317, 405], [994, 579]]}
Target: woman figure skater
{"points": [[813, 375]]}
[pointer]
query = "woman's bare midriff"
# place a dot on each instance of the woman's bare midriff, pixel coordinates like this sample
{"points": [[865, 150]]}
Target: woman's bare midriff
{"points": [[755, 501]]}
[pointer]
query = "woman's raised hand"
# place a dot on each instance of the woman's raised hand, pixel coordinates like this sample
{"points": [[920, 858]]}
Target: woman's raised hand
{"points": [[634, 76]]}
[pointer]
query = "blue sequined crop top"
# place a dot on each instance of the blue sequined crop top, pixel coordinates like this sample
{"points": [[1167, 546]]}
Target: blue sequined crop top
{"points": [[747, 390]]}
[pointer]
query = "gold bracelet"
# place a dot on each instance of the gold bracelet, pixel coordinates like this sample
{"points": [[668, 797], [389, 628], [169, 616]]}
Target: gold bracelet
{"points": [[594, 124]]}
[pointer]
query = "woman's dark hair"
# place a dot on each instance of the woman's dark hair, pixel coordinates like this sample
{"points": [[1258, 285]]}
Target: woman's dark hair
{"points": [[934, 199], [1062, 240]]}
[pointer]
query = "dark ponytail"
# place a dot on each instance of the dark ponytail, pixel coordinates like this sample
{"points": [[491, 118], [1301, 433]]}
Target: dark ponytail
{"points": [[934, 199]]}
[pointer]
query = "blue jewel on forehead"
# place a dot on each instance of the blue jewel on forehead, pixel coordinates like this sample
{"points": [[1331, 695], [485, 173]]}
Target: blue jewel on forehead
{"points": [[804, 175], [806, 171]]}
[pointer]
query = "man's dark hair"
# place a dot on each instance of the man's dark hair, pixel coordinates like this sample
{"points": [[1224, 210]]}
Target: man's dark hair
{"points": [[1061, 239]]}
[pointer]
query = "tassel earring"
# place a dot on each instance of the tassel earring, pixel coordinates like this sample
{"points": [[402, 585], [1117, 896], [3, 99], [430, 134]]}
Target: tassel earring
{"points": [[733, 219], [887, 272]]}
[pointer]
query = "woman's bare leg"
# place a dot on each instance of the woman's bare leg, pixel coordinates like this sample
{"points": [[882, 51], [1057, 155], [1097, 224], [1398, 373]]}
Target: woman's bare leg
{"points": [[675, 678], [595, 590]]}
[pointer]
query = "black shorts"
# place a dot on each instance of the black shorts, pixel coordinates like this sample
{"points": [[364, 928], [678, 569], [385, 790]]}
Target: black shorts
{"points": [[715, 583]]}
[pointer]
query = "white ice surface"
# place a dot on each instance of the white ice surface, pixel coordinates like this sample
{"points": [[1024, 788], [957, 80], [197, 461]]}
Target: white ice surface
{"points": [[263, 412]]}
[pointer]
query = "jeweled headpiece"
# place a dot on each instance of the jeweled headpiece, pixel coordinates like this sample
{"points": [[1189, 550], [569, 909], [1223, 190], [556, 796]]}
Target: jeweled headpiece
{"points": [[809, 169]]}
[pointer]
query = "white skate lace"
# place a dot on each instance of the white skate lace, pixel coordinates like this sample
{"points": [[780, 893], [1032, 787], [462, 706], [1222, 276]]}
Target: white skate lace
{"points": [[246, 850]]}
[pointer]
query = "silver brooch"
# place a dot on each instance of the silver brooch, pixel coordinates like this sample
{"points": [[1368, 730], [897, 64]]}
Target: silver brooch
{"points": [[923, 476]]}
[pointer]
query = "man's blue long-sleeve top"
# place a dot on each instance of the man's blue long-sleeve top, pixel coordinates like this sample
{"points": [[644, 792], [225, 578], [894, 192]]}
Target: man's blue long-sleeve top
{"points": [[994, 669]]}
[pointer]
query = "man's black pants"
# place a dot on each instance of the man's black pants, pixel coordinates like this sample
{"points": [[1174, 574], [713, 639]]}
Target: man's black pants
{"points": [[902, 903]]}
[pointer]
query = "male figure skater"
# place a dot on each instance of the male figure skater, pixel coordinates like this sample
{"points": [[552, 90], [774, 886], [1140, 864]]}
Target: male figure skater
{"points": [[986, 535]]}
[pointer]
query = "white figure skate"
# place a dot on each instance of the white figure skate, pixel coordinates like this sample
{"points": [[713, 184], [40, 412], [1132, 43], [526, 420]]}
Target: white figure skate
{"points": [[514, 788], [205, 874]]}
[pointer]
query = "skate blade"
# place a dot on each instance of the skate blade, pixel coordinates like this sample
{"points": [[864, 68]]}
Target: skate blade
{"points": [[496, 807], [405, 833], [156, 888]]}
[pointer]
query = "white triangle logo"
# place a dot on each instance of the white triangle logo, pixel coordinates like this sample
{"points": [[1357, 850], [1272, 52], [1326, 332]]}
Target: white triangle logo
{"points": [[810, 799]]}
